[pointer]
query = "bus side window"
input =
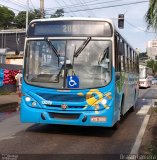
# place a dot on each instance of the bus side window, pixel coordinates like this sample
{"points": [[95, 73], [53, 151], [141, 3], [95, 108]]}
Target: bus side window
{"points": [[128, 58], [116, 53], [121, 55], [126, 52]]}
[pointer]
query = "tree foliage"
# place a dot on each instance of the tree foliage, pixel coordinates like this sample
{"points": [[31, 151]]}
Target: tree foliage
{"points": [[143, 55], [151, 15], [58, 13], [6, 17], [152, 64], [20, 19]]}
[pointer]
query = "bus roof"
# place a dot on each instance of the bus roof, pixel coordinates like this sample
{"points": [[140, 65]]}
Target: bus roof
{"points": [[73, 18], [83, 19]]}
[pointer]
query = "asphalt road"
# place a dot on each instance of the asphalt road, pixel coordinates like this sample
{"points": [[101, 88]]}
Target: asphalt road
{"points": [[17, 138]]}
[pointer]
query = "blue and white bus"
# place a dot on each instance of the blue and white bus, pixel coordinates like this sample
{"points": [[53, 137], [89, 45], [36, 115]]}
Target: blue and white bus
{"points": [[77, 71]]}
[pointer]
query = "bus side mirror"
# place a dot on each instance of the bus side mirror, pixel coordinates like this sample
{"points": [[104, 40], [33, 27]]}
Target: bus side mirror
{"points": [[121, 21]]}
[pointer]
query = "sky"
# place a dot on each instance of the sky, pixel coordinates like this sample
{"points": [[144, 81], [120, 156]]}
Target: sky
{"points": [[135, 28]]}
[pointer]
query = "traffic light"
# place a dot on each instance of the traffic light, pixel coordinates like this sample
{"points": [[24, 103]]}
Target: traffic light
{"points": [[121, 21]]}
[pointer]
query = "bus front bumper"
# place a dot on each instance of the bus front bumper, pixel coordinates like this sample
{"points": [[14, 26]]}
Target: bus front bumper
{"points": [[101, 118]]}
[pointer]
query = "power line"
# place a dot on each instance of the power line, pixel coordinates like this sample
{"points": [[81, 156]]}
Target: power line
{"points": [[85, 8], [32, 4], [67, 7], [84, 2], [138, 27], [89, 7], [79, 12], [81, 4], [111, 6], [60, 5], [23, 5], [10, 8], [17, 3]]}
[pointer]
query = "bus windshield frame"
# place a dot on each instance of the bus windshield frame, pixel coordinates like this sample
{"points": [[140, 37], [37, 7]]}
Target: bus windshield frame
{"points": [[95, 58]]}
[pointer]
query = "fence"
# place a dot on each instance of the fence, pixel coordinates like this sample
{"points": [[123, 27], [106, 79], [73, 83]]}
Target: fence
{"points": [[12, 40]]}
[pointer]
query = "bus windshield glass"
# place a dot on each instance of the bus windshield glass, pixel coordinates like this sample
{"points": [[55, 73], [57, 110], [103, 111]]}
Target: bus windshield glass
{"points": [[50, 62]]}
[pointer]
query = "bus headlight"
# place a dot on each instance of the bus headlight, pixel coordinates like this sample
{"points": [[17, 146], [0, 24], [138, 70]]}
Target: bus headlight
{"points": [[31, 102], [34, 104], [27, 99]]}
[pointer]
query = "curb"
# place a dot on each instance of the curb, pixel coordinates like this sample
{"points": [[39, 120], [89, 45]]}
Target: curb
{"points": [[9, 107]]}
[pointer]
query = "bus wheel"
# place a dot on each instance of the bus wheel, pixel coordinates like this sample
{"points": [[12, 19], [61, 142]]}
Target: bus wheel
{"points": [[116, 125], [132, 109]]}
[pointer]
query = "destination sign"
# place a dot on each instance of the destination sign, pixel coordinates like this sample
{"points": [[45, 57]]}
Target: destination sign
{"points": [[69, 28]]}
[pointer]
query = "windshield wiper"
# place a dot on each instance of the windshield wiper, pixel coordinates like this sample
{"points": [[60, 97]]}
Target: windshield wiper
{"points": [[81, 48], [105, 55], [52, 46]]}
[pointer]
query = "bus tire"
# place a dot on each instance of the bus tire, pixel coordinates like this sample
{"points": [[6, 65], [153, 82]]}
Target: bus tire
{"points": [[116, 125], [122, 105], [132, 109]]}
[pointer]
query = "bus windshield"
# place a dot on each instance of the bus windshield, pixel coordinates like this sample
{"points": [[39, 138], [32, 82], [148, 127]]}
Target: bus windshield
{"points": [[49, 62]]}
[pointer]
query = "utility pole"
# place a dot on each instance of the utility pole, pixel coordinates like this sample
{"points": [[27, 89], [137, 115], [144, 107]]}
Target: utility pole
{"points": [[27, 15], [42, 8]]}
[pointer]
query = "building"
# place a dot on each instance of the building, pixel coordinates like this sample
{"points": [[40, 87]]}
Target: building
{"points": [[12, 40], [152, 49]]}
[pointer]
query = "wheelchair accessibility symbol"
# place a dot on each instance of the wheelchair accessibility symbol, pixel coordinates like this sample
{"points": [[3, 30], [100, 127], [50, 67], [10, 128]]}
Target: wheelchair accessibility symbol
{"points": [[72, 82]]}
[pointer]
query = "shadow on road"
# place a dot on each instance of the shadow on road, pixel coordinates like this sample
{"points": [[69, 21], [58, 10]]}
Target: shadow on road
{"points": [[72, 130], [77, 130]]}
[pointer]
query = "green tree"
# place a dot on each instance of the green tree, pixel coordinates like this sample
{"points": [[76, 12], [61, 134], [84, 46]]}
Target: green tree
{"points": [[143, 55], [151, 15], [6, 17], [58, 13], [152, 64], [20, 19]]}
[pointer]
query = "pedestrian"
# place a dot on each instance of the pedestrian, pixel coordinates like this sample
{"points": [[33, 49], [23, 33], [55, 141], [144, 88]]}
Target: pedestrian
{"points": [[18, 79]]}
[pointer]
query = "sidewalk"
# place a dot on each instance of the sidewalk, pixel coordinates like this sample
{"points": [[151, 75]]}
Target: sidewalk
{"points": [[149, 142], [9, 102]]}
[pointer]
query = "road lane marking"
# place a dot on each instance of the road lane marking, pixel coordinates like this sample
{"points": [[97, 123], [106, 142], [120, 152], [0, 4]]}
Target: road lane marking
{"points": [[10, 126], [139, 137], [4, 138], [144, 110]]}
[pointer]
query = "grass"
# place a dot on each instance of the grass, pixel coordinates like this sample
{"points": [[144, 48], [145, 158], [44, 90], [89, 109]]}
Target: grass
{"points": [[155, 109], [149, 145], [153, 148], [4, 93]]}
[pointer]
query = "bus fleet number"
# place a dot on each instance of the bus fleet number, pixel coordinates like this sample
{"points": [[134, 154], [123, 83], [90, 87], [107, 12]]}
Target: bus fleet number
{"points": [[67, 28]]}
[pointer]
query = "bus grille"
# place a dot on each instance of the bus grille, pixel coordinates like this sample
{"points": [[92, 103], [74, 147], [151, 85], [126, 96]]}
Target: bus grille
{"points": [[62, 97], [70, 107], [64, 116]]}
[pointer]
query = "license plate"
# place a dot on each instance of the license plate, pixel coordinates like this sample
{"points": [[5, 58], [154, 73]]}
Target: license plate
{"points": [[98, 119]]}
